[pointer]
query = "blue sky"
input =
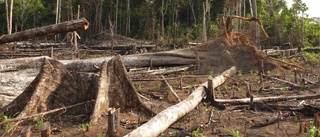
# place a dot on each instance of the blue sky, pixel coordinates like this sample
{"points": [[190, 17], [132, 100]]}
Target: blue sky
{"points": [[313, 5]]}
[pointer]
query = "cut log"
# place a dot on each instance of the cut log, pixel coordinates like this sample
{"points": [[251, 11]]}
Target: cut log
{"points": [[121, 47], [68, 26], [165, 118], [267, 99]]}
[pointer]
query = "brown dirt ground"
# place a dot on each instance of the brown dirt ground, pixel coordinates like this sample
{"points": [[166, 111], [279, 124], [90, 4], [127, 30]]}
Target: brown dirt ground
{"points": [[223, 122], [237, 117]]}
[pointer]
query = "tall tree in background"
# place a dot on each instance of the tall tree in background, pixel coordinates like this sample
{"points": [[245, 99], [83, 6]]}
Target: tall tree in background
{"points": [[164, 9], [24, 9], [206, 9], [299, 8], [128, 19], [9, 16], [256, 30]]}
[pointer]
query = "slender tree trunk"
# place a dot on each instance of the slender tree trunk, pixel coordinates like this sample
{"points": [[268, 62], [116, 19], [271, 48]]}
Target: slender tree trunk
{"points": [[116, 23], [162, 20], [244, 10], [10, 19], [302, 29], [251, 12], [192, 10], [240, 13], [7, 16], [75, 35], [153, 26], [163, 13], [128, 19], [57, 17], [257, 36], [57, 12], [204, 28]]}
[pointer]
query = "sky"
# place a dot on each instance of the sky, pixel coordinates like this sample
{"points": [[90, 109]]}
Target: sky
{"points": [[313, 5]]}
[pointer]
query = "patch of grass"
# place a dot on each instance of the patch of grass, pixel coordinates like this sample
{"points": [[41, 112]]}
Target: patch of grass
{"points": [[225, 86], [158, 85], [238, 88], [284, 89], [7, 126], [313, 130], [211, 72], [100, 133], [240, 72], [311, 57], [83, 127], [196, 133], [138, 87], [190, 122], [39, 122], [268, 72], [253, 73], [236, 134]]}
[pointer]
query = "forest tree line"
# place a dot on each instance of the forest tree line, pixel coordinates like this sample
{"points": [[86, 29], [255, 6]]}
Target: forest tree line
{"points": [[167, 21]]}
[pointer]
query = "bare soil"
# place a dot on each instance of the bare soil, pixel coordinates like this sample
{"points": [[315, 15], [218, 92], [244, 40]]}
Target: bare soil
{"points": [[211, 119]]}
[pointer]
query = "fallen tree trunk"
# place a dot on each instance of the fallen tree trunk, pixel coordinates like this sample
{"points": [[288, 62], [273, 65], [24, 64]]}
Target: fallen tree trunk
{"points": [[68, 26], [164, 119], [267, 99], [120, 47], [209, 54]]}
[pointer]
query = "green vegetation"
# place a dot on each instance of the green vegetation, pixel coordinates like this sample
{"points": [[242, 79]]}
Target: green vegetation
{"points": [[313, 130], [236, 134], [268, 72], [196, 133], [7, 126], [100, 133], [83, 127], [312, 58], [284, 89], [240, 72], [39, 122], [253, 73], [138, 87]]}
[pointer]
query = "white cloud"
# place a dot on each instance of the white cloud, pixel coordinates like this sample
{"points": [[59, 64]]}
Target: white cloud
{"points": [[313, 7]]}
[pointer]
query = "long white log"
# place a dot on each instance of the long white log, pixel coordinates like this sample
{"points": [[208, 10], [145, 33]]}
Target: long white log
{"points": [[165, 118], [167, 58]]}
